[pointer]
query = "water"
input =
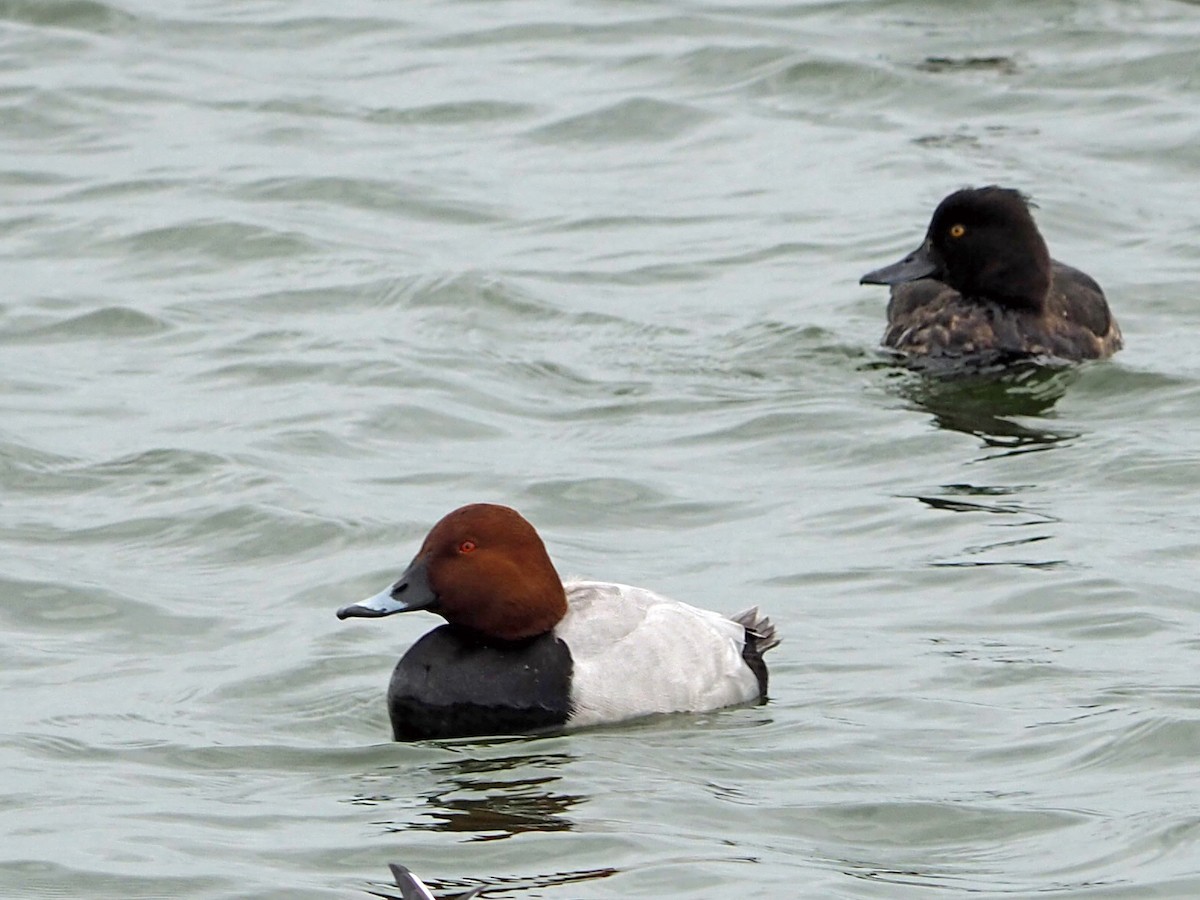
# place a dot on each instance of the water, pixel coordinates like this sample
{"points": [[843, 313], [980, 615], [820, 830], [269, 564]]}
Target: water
{"points": [[285, 282]]}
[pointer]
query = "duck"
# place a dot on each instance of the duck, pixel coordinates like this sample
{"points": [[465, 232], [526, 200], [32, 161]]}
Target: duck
{"points": [[522, 651], [413, 888], [982, 288]]}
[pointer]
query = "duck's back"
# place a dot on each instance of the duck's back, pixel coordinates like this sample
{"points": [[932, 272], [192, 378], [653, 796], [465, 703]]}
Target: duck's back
{"points": [[929, 318], [635, 653]]}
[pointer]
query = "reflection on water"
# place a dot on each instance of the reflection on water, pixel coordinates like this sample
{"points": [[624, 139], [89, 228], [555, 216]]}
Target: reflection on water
{"points": [[478, 800], [488, 798], [969, 498], [988, 404], [957, 494], [501, 884], [1005, 65]]}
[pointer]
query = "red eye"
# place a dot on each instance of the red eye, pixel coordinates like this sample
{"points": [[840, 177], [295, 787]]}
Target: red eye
{"points": [[466, 546]]}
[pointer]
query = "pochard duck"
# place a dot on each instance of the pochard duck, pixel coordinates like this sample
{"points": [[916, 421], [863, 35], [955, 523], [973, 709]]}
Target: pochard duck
{"points": [[522, 651], [982, 287]]}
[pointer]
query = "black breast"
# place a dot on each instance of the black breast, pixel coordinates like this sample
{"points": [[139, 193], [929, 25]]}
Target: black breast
{"points": [[451, 683]]}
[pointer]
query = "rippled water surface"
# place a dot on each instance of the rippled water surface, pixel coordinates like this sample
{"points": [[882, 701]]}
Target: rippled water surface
{"points": [[287, 281]]}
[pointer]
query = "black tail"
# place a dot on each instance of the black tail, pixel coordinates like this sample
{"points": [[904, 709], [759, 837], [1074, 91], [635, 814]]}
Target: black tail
{"points": [[760, 637]]}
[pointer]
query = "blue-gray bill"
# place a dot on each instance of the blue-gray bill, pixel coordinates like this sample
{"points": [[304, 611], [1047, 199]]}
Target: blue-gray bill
{"points": [[410, 591], [921, 263]]}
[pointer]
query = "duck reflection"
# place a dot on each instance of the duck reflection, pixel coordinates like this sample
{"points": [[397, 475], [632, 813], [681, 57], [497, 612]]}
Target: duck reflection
{"points": [[490, 798], [993, 406], [478, 797], [987, 499], [1036, 526]]}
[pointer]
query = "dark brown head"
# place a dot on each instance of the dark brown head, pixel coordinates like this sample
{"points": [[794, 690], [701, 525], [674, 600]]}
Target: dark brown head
{"points": [[482, 567], [983, 243]]}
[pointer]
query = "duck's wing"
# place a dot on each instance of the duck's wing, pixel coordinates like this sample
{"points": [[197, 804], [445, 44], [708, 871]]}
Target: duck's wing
{"points": [[1078, 304], [413, 888]]}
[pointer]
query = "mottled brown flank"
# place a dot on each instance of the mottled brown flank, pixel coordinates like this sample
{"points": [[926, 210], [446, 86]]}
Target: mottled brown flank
{"points": [[929, 318]]}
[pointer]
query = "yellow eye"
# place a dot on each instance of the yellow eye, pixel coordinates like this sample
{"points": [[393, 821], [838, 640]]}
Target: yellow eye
{"points": [[957, 231]]}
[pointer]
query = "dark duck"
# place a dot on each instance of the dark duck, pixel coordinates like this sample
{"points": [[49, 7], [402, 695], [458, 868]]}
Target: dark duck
{"points": [[982, 289]]}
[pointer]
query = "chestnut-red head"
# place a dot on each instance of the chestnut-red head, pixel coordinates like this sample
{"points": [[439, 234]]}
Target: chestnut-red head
{"points": [[481, 567]]}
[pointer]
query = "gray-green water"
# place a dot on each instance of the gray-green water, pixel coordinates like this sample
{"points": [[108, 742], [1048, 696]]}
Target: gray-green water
{"points": [[285, 282]]}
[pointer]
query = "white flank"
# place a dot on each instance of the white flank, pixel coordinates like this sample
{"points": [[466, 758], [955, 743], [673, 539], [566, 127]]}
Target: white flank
{"points": [[637, 653]]}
